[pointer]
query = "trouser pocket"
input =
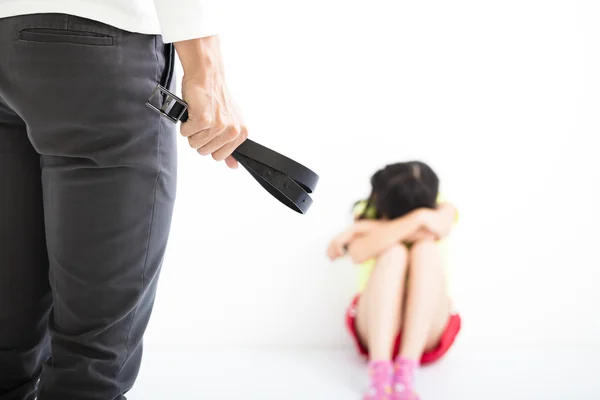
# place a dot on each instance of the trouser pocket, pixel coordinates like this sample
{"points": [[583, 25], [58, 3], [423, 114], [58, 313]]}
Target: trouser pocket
{"points": [[46, 35]]}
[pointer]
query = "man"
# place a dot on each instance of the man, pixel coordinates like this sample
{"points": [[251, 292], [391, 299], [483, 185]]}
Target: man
{"points": [[87, 181]]}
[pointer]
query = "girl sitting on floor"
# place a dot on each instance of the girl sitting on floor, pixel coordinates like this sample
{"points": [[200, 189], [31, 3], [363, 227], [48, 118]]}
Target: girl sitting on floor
{"points": [[403, 315]]}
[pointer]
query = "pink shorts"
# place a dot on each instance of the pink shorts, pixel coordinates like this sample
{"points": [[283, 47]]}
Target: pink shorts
{"points": [[431, 356]]}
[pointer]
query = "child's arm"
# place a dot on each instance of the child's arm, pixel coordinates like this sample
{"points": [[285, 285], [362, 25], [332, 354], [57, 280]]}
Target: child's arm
{"points": [[337, 247], [420, 235], [441, 220], [382, 237]]}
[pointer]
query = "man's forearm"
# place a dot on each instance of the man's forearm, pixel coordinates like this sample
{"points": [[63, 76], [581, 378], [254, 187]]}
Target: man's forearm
{"points": [[215, 125], [200, 58]]}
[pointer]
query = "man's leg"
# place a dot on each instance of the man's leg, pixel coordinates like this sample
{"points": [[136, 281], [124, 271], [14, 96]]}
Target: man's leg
{"points": [[25, 297], [108, 173]]}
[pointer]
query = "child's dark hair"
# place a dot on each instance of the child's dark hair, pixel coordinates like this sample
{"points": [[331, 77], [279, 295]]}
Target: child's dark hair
{"points": [[400, 188]]}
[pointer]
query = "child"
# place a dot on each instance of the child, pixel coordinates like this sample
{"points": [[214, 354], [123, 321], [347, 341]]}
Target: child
{"points": [[402, 315]]}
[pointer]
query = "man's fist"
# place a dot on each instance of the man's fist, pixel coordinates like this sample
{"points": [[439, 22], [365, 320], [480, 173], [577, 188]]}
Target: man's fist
{"points": [[214, 124]]}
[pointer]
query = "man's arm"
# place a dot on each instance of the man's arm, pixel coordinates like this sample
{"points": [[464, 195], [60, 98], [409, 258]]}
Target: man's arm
{"points": [[215, 124], [186, 19], [201, 60]]}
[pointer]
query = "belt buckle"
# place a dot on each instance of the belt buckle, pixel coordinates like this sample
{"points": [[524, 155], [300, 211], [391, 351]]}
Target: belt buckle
{"points": [[169, 99]]}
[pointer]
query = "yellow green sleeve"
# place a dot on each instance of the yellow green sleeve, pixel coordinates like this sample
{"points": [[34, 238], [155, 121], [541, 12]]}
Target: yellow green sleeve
{"points": [[359, 209]]}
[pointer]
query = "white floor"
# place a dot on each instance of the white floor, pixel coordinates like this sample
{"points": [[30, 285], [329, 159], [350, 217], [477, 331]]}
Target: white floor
{"points": [[479, 372]]}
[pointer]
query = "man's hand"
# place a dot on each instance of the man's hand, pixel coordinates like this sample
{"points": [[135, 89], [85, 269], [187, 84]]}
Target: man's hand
{"points": [[215, 124]]}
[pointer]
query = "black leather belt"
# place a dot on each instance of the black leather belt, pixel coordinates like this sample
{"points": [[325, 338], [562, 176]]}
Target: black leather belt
{"points": [[286, 180]]}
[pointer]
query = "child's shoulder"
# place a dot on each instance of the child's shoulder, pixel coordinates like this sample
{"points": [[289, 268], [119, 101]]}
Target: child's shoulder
{"points": [[359, 207], [441, 198]]}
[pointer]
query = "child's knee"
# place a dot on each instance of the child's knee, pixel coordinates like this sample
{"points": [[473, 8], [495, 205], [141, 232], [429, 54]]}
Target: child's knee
{"points": [[425, 245], [395, 255], [425, 254], [397, 249]]}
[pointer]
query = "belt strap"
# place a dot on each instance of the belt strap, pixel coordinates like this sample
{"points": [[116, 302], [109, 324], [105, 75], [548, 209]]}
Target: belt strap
{"points": [[288, 181]]}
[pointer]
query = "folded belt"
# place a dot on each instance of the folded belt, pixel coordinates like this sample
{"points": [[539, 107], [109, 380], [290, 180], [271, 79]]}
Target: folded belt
{"points": [[285, 179]]}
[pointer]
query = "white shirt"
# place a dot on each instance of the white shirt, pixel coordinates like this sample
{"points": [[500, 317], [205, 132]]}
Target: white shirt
{"points": [[176, 20]]}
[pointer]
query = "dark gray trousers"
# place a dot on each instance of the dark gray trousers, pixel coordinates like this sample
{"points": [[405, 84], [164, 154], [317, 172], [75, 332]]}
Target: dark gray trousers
{"points": [[87, 186]]}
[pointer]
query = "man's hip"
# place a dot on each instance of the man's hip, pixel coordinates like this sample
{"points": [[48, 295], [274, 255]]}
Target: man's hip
{"points": [[108, 174]]}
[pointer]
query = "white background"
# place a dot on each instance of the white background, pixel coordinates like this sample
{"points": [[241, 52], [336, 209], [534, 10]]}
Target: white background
{"points": [[501, 98]]}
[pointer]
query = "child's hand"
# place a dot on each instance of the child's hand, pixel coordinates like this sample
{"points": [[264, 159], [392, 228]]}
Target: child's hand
{"points": [[420, 235], [338, 246], [432, 223]]}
